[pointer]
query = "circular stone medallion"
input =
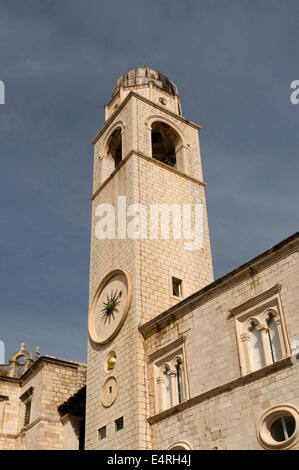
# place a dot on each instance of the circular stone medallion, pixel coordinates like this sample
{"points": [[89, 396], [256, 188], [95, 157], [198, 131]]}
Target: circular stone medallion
{"points": [[109, 392], [110, 306]]}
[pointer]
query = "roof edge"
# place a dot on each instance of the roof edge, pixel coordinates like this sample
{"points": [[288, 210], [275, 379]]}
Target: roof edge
{"points": [[233, 277], [152, 103], [51, 360]]}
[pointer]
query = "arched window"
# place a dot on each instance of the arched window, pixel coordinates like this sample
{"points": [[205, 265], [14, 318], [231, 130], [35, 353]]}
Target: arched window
{"points": [[180, 379], [274, 340], [115, 146], [169, 375], [261, 331], [19, 362], [180, 445], [168, 396], [20, 366], [257, 347], [165, 142], [170, 382]]}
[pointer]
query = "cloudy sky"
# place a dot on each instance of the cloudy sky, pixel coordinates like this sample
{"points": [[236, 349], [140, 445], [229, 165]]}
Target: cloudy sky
{"points": [[232, 62]]}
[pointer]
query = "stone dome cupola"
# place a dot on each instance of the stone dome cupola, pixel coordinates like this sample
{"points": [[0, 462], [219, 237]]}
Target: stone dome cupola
{"points": [[148, 83], [142, 76]]}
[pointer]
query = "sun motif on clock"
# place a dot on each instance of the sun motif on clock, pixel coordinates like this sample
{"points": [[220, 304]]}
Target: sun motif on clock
{"points": [[110, 306]]}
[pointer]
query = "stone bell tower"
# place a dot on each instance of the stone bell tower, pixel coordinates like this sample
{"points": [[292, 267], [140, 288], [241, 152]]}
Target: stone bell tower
{"points": [[146, 255]]}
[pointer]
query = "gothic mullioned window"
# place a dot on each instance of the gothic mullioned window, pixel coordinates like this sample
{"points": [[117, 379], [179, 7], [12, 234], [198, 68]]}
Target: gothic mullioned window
{"points": [[273, 337], [170, 384], [179, 366], [261, 332]]}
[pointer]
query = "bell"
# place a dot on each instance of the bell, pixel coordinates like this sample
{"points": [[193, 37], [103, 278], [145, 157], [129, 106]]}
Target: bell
{"points": [[111, 362]]}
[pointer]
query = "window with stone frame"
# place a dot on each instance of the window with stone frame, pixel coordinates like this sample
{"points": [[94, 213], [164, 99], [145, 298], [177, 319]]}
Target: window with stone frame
{"points": [[26, 400], [176, 287], [102, 433], [3, 401], [261, 331], [169, 374], [27, 412], [119, 423], [278, 427]]}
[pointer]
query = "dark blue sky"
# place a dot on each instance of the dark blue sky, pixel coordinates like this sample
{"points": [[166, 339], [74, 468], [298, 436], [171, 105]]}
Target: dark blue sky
{"points": [[232, 61]]}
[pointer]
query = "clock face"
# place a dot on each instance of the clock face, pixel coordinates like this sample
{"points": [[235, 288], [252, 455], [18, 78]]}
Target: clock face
{"points": [[109, 392], [110, 306]]}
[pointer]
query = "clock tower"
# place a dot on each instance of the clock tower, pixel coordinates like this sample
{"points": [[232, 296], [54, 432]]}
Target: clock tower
{"points": [[150, 247]]}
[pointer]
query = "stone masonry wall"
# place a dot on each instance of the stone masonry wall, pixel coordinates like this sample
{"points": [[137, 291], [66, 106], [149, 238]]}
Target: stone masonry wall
{"points": [[9, 412], [212, 360], [150, 264], [53, 383]]}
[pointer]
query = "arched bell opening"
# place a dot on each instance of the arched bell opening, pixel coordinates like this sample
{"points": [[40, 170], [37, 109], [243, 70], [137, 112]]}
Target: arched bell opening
{"points": [[114, 146], [165, 143]]}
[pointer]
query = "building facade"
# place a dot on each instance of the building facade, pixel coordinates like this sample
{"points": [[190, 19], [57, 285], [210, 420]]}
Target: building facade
{"points": [[35, 408], [176, 360]]}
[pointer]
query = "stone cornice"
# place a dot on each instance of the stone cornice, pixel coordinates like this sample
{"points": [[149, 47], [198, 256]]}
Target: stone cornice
{"points": [[145, 100], [23, 431], [169, 347], [39, 363], [51, 360], [170, 113], [9, 436], [246, 270], [141, 86], [110, 119], [31, 425], [61, 361], [26, 394], [254, 300], [150, 160], [227, 387], [36, 421], [6, 378]]}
